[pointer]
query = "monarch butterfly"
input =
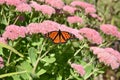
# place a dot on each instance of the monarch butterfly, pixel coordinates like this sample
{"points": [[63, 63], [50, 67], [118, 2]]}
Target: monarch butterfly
{"points": [[59, 36]]}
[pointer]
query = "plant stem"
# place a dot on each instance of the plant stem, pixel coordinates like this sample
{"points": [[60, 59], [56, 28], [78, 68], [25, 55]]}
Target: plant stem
{"points": [[89, 63], [95, 70], [11, 74], [16, 19], [15, 61], [9, 58], [35, 66]]}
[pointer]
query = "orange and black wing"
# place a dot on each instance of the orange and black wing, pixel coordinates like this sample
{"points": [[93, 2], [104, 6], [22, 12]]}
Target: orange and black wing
{"points": [[54, 36], [59, 36], [67, 35]]}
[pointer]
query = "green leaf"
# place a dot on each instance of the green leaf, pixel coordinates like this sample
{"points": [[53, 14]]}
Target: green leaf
{"points": [[59, 77], [88, 71], [24, 76], [26, 66], [44, 77], [49, 60], [42, 71], [4, 20], [33, 55], [100, 72], [16, 77]]}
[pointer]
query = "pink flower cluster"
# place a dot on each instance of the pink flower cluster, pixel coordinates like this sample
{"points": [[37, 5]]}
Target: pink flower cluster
{"points": [[108, 56], [34, 28], [50, 26], [74, 19], [45, 9], [1, 62], [13, 32], [35, 5], [81, 4], [69, 9], [89, 8], [94, 15], [58, 4], [91, 35], [78, 68], [2, 1], [13, 2], [110, 30], [23, 7]]}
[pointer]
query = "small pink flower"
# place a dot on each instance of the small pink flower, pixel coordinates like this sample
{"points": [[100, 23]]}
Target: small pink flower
{"points": [[91, 35], [118, 35], [35, 5], [69, 9], [13, 2], [109, 29], [23, 7], [74, 19], [45, 9], [93, 15], [90, 10], [106, 57], [2, 2], [78, 68], [1, 62], [22, 31], [13, 32], [81, 4], [50, 26], [55, 3], [3, 40], [99, 18], [34, 28]]}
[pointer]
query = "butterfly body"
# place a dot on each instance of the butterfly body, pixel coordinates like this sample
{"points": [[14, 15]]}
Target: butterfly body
{"points": [[59, 36]]}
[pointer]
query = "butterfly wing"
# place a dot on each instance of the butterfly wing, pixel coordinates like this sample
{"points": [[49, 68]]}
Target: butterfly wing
{"points": [[51, 35], [67, 35], [54, 36], [57, 39]]}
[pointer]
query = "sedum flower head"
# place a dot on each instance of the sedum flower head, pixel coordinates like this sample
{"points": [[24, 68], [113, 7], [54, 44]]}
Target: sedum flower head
{"points": [[91, 35], [78, 68]]}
